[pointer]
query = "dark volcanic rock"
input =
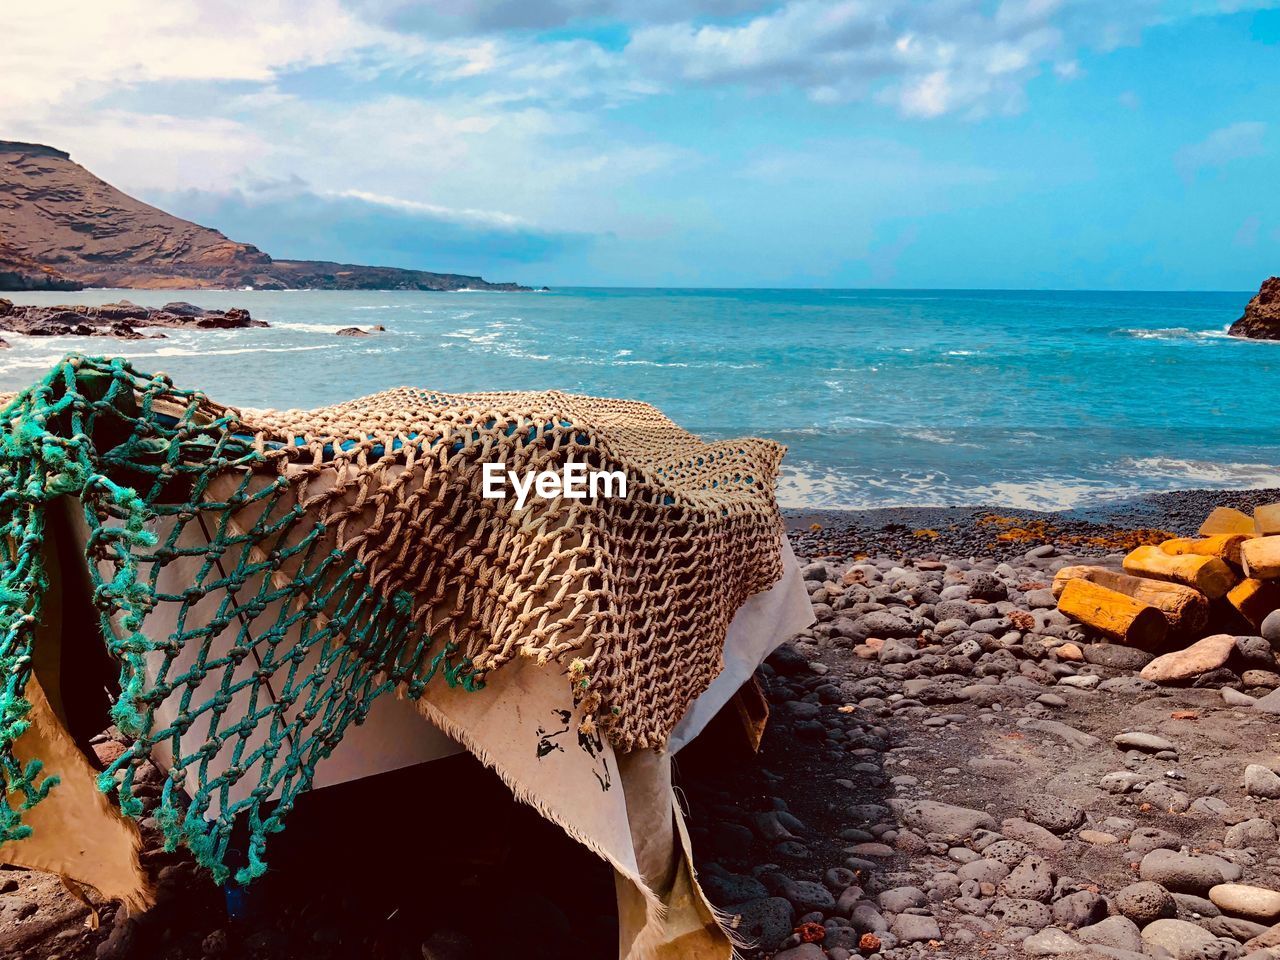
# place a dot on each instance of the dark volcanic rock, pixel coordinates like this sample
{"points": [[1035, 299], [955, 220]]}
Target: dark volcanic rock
{"points": [[1261, 320], [352, 332], [117, 319]]}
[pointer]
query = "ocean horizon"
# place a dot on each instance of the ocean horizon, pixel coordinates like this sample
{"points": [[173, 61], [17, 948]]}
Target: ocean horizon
{"points": [[1035, 399]]}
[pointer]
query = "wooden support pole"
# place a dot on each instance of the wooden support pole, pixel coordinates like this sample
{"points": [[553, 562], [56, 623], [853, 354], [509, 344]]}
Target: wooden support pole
{"points": [[1209, 575], [1224, 546], [1121, 618], [1187, 610]]}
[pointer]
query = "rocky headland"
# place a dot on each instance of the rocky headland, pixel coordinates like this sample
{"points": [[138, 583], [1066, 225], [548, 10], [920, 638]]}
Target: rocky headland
{"points": [[1261, 320], [62, 228], [120, 320]]}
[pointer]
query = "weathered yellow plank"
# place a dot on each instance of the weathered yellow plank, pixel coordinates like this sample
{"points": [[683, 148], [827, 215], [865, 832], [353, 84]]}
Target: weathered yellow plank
{"points": [[1186, 609], [1224, 546], [1114, 615], [1209, 575]]}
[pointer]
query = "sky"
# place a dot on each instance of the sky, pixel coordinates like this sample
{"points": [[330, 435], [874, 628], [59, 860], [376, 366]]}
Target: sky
{"points": [[1066, 144]]}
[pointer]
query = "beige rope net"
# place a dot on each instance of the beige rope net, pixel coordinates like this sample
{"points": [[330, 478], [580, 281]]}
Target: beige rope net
{"points": [[641, 589]]}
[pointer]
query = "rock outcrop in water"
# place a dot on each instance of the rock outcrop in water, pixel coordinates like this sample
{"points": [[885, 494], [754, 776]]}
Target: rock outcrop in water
{"points": [[117, 319], [62, 228], [1261, 320]]}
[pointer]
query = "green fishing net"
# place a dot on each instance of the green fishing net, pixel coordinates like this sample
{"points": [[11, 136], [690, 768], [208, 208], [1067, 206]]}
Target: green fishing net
{"points": [[275, 642]]}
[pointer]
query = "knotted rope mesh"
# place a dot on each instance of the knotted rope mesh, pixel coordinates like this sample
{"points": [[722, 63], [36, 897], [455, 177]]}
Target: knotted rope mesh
{"points": [[262, 577]]}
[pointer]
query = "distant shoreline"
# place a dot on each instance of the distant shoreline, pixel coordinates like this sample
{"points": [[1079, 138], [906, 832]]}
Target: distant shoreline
{"points": [[1097, 529]]}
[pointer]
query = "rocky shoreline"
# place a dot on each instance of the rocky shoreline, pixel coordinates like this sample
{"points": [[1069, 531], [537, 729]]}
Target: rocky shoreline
{"points": [[927, 532], [953, 768], [120, 320]]}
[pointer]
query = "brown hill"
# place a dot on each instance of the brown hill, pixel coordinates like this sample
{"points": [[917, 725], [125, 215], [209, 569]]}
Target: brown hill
{"points": [[61, 227]]}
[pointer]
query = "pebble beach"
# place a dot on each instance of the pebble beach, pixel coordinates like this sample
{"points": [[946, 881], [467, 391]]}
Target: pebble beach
{"points": [[953, 768]]}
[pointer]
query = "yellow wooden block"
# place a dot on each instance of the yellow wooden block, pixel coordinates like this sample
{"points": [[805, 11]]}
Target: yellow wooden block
{"points": [[1224, 546], [1255, 599], [1122, 619], [1186, 609], [1209, 575], [1227, 520], [1267, 519], [1261, 557]]}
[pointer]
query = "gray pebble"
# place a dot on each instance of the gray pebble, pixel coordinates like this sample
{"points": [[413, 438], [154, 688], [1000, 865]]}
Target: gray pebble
{"points": [[910, 928], [1032, 879], [1260, 781], [1119, 933], [1144, 902], [1187, 872], [1053, 813]]}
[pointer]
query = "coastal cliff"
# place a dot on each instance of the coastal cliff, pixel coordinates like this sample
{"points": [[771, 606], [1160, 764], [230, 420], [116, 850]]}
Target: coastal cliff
{"points": [[62, 228], [1261, 320], [20, 272]]}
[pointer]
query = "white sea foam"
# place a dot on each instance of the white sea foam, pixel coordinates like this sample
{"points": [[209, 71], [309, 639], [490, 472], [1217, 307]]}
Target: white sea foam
{"points": [[138, 350], [1237, 476], [326, 328], [808, 484], [812, 485], [644, 363], [850, 420], [206, 352], [937, 436], [1177, 333], [1050, 493]]}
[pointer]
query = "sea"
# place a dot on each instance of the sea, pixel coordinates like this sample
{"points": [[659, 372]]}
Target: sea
{"points": [[1032, 399]]}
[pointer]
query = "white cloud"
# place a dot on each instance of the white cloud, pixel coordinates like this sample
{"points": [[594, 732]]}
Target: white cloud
{"points": [[926, 61], [58, 50], [1236, 141], [932, 59], [151, 150], [488, 218], [457, 157], [454, 17]]}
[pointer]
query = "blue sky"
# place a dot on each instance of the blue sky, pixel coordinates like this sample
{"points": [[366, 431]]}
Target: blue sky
{"points": [[960, 143]]}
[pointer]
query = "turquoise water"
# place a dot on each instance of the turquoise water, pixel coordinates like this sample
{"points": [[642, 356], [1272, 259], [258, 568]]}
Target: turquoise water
{"points": [[1038, 399]]}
